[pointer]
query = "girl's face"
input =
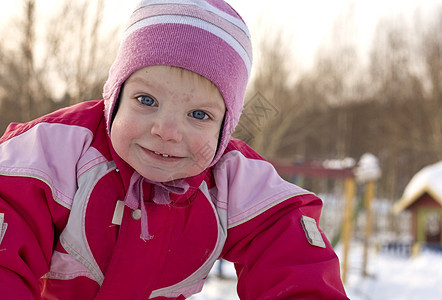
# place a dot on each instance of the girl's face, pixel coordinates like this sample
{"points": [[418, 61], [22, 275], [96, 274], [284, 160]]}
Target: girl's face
{"points": [[168, 122]]}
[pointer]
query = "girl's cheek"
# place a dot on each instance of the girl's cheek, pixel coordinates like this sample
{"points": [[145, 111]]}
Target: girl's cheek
{"points": [[204, 152]]}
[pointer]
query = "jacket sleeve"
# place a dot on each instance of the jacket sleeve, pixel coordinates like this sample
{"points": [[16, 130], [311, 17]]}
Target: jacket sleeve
{"points": [[37, 183], [275, 260], [28, 237], [272, 234]]}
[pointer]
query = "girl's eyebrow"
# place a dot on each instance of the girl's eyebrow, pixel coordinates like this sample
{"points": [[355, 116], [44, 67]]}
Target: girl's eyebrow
{"points": [[139, 79], [212, 104], [205, 104]]}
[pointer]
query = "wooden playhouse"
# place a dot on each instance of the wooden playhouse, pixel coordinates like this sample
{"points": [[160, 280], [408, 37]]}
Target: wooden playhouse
{"points": [[422, 197]]}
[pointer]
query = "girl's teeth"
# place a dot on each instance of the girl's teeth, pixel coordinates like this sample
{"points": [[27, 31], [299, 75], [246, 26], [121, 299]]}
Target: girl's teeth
{"points": [[163, 155]]}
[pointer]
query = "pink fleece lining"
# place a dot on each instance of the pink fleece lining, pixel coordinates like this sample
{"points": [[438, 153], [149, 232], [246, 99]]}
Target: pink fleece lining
{"points": [[65, 267], [58, 170], [232, 177]]}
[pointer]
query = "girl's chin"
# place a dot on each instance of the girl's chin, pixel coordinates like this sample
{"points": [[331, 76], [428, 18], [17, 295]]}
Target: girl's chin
{"points": [[161, 176], [164, 176]]}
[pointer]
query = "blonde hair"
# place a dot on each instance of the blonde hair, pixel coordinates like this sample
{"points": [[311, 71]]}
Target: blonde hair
{"points": [[200, 79]]}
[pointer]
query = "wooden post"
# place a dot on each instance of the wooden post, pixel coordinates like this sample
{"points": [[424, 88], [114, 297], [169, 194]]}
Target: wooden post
{"points": [[350, 191], [368, 197]]}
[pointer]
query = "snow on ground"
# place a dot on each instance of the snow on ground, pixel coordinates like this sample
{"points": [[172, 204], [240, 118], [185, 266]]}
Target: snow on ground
{"points": [[392, 277], [396, 277], [217, 288]]}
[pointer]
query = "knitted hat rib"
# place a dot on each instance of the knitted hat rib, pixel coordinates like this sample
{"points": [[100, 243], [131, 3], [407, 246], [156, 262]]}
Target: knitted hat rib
{"points": [[205, 37]]}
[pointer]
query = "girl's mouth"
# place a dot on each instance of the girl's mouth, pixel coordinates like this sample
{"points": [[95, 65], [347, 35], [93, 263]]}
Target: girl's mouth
{"points": [[160, 156], [163, 155]]}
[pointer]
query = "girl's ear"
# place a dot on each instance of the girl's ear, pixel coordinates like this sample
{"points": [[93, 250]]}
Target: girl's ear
{"points": [[220, 134], [114, 112], [117, 104]]}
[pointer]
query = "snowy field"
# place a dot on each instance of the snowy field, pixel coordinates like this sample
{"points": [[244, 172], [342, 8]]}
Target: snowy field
{"points": [[216, 288], [392, 277]]}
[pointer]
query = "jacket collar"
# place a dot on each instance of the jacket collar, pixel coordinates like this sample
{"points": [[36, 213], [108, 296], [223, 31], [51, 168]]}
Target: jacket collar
{"points": [[175, 192]]}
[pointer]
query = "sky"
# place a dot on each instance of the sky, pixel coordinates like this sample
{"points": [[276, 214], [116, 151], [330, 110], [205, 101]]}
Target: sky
{"points": [[307, 24]]}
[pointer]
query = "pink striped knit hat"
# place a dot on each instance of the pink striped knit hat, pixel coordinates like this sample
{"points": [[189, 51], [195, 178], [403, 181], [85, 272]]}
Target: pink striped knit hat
{"points": [[206, 37]]}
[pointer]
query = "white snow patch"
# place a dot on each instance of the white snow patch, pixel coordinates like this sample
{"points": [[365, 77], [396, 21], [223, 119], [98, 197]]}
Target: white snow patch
{"points": [[395, 277], [426, 180], [391, 277]]}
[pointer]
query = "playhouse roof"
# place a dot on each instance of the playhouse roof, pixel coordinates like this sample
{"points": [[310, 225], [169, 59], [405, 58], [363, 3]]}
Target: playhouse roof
{"points": [[428, 180]]}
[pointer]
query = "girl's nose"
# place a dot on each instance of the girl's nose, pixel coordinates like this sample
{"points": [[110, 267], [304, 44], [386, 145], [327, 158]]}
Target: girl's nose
{"points": [[167, 128]]}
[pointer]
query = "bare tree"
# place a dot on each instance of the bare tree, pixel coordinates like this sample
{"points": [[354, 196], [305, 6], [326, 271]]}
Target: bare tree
{"points": [[27, 47], [80, 52], [405, 69], [338, 73], [431, 51], [20, 83], [71, 65], [270, 116]]}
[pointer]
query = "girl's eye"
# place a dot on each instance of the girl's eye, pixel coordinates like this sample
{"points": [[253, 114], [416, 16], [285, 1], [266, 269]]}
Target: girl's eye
{"points": [[146, 100], [200, 115]]}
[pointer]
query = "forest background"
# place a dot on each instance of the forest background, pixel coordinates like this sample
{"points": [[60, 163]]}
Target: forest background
{"points": [[342, 106]]}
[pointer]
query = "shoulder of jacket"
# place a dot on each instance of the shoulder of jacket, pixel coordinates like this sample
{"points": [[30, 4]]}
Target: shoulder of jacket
{"points": [[57, 148], [247, 185], [241, 147], [85, 114]]}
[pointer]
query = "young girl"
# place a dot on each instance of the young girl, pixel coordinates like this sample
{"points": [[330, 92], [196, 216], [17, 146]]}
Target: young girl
{"points": [[137, 195]]}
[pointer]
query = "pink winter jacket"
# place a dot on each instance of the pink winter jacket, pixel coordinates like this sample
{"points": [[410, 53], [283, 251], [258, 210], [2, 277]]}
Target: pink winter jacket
{"points": [[65, 235]]}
